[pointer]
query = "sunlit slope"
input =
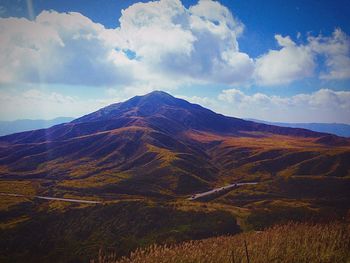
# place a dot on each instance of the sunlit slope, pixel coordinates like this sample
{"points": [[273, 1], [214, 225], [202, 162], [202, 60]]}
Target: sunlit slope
{"points": [[158, 145]]}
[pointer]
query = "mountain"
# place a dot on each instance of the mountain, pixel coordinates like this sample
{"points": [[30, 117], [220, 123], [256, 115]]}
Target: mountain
{"points": [[339, 129], [158, 111], [158, 145], [9, 127], [142, 159]]}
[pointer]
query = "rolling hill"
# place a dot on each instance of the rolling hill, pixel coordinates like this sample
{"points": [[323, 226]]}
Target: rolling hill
{"points": [[158, 145], [142, 159]]}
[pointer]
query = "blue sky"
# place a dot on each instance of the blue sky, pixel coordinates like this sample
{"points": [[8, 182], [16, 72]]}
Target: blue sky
{"points": [[273, 60]]}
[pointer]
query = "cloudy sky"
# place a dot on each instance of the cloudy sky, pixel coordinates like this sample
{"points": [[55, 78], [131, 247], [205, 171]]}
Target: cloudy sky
{"points": [[272, 60]]}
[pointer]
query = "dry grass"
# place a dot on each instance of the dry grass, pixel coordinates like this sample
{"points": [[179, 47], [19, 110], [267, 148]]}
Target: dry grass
{"points": [[293, 242], [266, 141], [262, 140], [26, 188], [18, 187], [99, 180], [165, 155]]}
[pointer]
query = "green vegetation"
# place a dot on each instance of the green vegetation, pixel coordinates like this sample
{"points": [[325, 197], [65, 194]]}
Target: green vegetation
{"points": [[143, 160], [50, 231], [77, 234], [289, 243], [34, 230]]}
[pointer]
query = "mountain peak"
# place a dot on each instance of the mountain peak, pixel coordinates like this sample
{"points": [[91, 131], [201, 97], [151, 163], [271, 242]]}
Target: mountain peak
{"points": [[151, 102], [144, 105], [171, 114], [159, 94], [157, 97]]}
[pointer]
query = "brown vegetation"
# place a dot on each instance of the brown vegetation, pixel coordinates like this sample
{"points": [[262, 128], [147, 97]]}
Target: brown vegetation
{"points": [[292, 242], [160, 146], [143, 158]]}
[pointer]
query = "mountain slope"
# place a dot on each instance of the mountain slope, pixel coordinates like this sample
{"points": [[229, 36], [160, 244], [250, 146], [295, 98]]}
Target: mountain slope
{"points": [[142, 159], [156, 110], [159, 109], [157, 145]]}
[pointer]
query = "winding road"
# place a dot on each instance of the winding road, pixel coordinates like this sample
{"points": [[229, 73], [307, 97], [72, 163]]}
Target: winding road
{"points": [[218, 190], [55, 198], [71, 200]]}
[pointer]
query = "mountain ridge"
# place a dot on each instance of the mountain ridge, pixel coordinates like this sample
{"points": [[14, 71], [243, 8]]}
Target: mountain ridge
{"points": [[146, 105], [160, 109], [157, 145]]}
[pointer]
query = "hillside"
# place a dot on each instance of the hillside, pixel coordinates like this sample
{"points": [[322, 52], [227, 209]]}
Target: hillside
{"points": [[82, 231], [284, 243], [158, 145], [146, 156]]}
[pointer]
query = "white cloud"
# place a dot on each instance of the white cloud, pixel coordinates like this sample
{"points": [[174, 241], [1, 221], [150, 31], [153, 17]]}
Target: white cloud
{"points": [[295, 62], [159, 45], [59, 48], [324, 105], [36, 103], [198, 44], [151, 30], [336, 50], [210, 103], [170, 45], [164, 45], [290, 63]]}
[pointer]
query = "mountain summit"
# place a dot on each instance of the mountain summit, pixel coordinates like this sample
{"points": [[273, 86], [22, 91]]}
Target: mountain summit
{"points": [[146, 105], [156, 110], [160, 110], [159, 145]]}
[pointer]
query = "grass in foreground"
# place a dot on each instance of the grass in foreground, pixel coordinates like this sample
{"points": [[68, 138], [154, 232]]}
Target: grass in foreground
{"points": [[293, 242]]}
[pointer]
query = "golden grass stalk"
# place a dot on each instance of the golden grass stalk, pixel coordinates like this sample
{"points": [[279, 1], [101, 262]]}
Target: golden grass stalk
{"points": [[289, 243]]}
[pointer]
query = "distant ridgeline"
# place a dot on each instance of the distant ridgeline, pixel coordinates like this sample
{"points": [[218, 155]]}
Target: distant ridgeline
{"points": [[9, 127], [339, 129]]}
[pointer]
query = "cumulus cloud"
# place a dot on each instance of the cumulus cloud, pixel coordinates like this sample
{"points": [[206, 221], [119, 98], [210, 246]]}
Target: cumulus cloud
{"points": [[295, 62], [59, 48], [336, 50], [324, 105], [157, 42], [290, 63], [164, 45], [198, 44]]}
